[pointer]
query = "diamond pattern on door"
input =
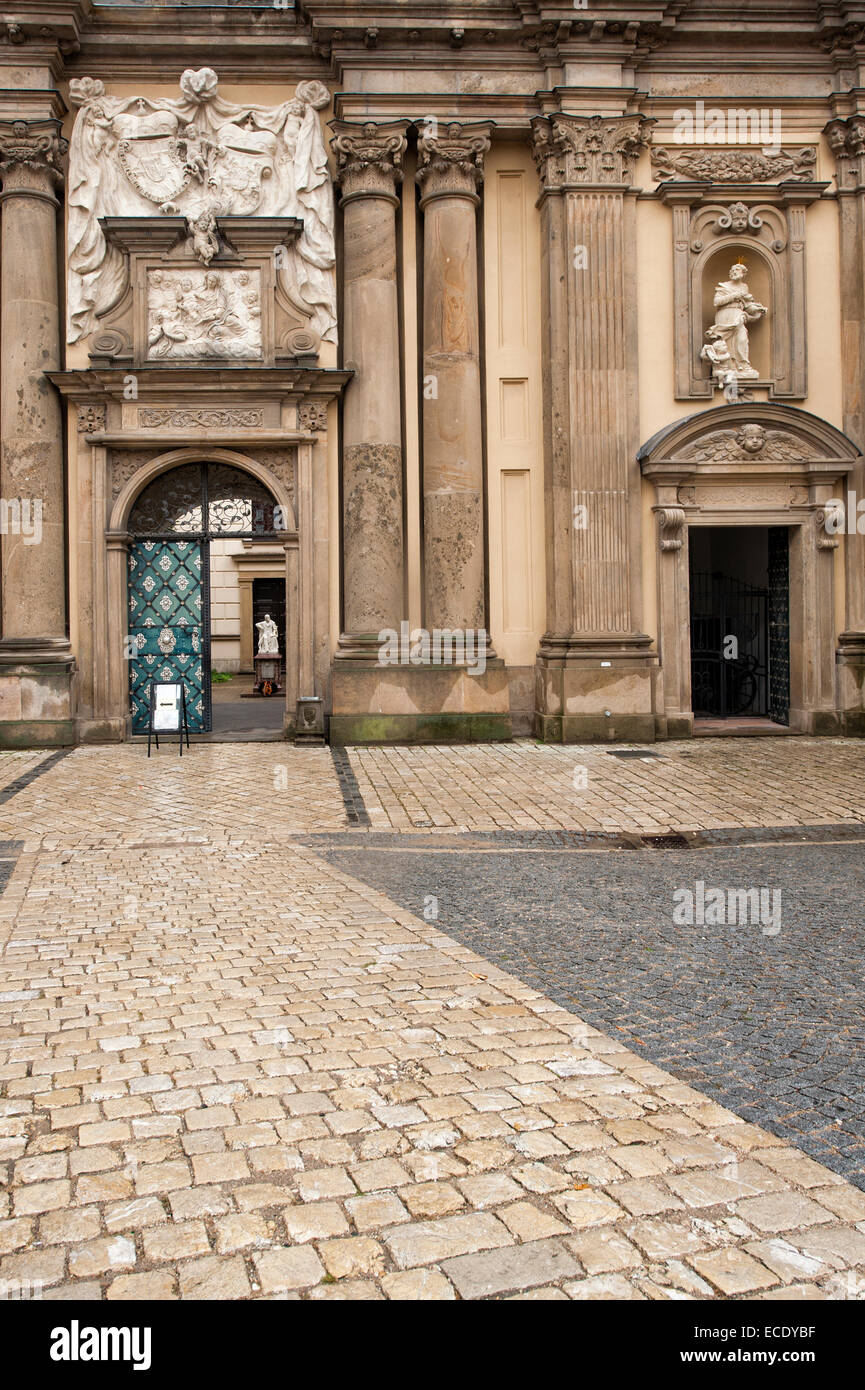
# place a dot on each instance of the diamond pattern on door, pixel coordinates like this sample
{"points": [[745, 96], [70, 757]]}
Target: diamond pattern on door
{"points": [[168, 626]]}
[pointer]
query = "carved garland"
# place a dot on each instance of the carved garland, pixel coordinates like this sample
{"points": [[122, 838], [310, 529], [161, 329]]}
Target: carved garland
{"points": [[153, 419], [733, 165]]}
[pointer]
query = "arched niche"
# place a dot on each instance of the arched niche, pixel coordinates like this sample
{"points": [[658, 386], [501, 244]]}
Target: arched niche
{"points": [[714, 224], [764, 281]]}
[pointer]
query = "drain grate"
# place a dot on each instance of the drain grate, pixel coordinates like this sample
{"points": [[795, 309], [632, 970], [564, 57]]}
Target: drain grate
{"points": [[664, 841], [643, 753]]}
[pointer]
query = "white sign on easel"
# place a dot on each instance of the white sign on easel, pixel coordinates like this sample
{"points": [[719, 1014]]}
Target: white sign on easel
{"points": [[167, 712]]}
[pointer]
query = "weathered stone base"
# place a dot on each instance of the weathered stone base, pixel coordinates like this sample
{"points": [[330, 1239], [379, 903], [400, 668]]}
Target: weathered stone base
{"points": [[850, 683], [679, 725], [36, 699], [419, 704], [37, 733], [596, 692], [822, 722], [419, 728], [103, 730]]}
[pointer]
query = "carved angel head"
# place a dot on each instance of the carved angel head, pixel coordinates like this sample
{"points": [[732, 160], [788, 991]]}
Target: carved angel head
{"points": [[751, 438]]}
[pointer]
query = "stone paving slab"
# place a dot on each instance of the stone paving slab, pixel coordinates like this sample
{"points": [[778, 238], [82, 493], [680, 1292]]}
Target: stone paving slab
{"points": [[229, 1070]]}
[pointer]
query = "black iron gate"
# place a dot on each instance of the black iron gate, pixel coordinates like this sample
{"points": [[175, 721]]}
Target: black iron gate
{"points": [[729, 647], [779, 624]]}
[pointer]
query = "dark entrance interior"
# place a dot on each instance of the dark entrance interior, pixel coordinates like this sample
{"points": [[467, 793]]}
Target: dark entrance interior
{"points": [[740, 647]]}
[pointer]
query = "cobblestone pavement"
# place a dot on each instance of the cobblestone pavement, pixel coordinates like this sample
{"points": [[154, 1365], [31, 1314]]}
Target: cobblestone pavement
{"points": [[702, 783], [772, 1026], [115, 793], [231, 1070]]}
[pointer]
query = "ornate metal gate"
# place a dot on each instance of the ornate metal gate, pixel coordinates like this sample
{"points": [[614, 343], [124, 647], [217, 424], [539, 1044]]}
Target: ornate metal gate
{"points": [[172, 523], [779, 624], [168, 623]]}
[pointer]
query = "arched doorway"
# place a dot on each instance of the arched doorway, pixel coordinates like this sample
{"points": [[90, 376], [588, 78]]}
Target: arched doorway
{"points": [[749, 504], [176, 522]]}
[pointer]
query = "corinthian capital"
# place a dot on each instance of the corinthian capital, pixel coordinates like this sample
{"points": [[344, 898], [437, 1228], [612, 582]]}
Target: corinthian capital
{"points": [[588, 149], [451, 158], [847, 142], [30, 155], [368, 157]]}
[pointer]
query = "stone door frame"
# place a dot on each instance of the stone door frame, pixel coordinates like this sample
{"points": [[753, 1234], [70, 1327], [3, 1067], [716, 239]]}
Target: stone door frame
{"points": [[297, 543], [760, 464]]}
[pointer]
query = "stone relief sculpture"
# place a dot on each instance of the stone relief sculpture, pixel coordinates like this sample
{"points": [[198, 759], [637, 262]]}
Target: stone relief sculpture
{"points": [[734, 165], [198, 313], [728, 346], [200, 157], [268, 636]]}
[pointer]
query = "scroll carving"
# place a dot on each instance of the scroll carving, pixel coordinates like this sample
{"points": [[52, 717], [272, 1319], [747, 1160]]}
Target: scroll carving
{"points": [[671, 525]]}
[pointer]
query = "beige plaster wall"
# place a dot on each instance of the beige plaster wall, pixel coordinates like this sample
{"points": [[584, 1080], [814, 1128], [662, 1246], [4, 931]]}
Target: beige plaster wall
{"points": [[515, 482], [224, 605]]}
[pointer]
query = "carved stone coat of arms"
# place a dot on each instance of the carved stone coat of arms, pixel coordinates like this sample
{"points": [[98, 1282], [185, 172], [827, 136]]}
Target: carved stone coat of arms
{"points": [[200, 157]]}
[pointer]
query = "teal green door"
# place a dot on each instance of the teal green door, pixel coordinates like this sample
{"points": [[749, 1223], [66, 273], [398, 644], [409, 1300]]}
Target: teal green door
{"points": [[168, 626]]}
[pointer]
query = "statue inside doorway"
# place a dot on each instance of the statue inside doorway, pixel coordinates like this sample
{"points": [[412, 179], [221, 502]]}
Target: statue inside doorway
{"points": [[268, 636], [728, 346]]}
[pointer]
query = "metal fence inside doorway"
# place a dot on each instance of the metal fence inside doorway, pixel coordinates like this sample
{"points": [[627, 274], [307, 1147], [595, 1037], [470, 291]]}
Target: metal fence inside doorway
{"points": [[729, 647]]}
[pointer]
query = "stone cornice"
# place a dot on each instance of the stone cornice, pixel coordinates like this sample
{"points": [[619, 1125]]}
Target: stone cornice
{"points": [[205, 385], [369, 157], [451, 159], [595, 150]]}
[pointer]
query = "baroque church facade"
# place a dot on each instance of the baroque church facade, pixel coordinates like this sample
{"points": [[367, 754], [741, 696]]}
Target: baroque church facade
{"points": [[511, 354]]}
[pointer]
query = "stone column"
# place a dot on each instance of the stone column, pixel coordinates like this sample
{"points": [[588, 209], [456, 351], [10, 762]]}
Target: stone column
{"points": [[450, 168], [369, 161], [34, 650], [847, 139], [595, 676]]}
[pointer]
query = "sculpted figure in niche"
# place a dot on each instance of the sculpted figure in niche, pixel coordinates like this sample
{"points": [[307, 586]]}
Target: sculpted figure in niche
{"points": [[735, 308], [268, 636]]}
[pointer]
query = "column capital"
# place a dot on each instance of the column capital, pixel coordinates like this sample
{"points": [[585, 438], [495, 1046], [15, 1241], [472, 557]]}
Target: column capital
{"points": [[574, 151], [369, 157], [30, 155], [451, 163], [846, 139]]}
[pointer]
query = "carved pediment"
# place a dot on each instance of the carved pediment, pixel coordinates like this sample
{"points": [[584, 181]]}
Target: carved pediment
{"points": [[767, 438], [747, 442]]}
